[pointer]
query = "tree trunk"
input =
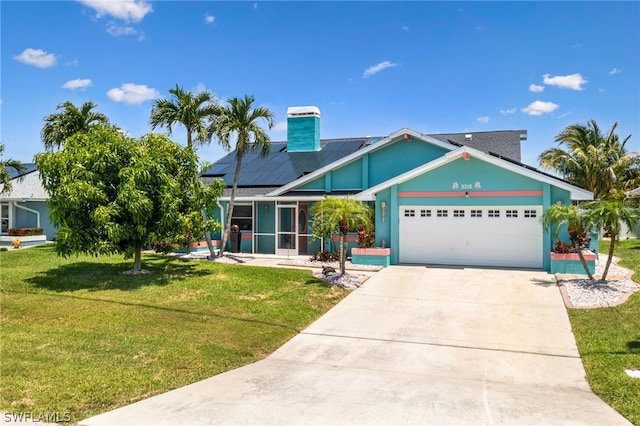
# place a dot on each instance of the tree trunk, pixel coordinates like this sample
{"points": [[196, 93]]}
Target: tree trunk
{"points": [[207, 235], [227, 226], [343, 253], [610, 258], [137, 261], [576, 245]]}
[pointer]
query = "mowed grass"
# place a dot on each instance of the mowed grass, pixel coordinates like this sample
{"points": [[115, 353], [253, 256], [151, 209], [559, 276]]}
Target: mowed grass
{"points": [[78, 337], [609, 341]]}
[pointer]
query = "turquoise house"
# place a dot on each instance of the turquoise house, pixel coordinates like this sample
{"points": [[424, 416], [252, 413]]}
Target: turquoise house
{"points": [[453, 199]]}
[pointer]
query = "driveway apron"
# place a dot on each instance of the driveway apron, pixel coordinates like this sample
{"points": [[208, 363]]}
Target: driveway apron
{"points": [[413, 345]]}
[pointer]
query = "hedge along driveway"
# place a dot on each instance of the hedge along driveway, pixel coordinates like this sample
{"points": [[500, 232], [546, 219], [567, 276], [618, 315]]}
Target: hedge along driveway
{"points": [[78, 337]]}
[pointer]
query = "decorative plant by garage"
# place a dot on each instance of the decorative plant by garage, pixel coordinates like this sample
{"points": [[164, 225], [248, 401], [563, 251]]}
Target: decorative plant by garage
{"points": [[577, 223], [334, 215]]}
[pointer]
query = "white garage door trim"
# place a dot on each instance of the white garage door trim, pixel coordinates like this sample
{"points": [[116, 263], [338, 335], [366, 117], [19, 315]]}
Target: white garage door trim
{"points": [[472, 235]]}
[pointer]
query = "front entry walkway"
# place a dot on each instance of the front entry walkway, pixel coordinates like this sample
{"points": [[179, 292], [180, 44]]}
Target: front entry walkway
{"points": [[413, 345]]}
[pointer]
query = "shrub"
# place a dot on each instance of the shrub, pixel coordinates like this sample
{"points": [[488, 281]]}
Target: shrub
{"points": [[24, 232], [325, 256], [562, 247]]}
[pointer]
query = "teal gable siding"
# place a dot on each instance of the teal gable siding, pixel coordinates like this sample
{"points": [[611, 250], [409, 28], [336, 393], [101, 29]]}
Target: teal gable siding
{"points": [[377, 166], [480, 179], [348, 177], [314, 185], [399, 157]]}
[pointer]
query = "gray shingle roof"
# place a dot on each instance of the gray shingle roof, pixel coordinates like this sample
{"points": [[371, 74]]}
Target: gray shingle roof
{"points": [[505, 143], [281, 167]]}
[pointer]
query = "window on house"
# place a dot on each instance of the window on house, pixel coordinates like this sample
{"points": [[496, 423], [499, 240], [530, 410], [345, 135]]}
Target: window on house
{"points": [[442, 213], [493, 213], [476, 213], [511, 213], [425, 213], [530, 213], [409, 213], [4, 216], [243, 217], [458, 213]]}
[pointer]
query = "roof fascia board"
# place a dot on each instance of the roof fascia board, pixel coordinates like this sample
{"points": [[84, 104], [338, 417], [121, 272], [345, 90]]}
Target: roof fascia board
{"points": [[393, 137], [576, 193]]}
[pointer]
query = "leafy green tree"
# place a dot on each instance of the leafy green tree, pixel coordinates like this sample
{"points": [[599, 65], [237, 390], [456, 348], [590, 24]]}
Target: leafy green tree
{"points": [[610, 215], [576, 221], [5, 176], [239, 121], [193, 111], [336, 215], [596, 161], [110, 193], [69, 121]]}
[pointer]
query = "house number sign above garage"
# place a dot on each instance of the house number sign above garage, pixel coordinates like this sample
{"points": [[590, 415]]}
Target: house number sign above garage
{"points": [[457, 185]]}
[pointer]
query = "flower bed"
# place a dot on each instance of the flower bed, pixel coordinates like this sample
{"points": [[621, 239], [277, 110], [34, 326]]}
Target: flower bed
{"points": [[24, 232]]}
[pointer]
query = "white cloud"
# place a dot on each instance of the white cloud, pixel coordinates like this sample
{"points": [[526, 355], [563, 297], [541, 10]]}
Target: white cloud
{"points": [[36, 57], [540, 107], [602, 90], [280, 126], [119, 30], [572, 81], [615, 71], [208, 19], [127, 10], [78, 83], [483, 120], [255, 6], [508, 111], [535, 88], [404, 28], [132, 94], [377, 68]]}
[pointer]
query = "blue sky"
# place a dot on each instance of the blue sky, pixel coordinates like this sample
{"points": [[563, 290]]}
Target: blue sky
{"points": [[371, 67]]}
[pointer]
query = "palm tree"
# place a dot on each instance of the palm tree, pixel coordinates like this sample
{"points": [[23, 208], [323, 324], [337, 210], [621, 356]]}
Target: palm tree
{"points": [[610, 215], [597, 162], [193, 111], [239, 120], [5, 176], [576, 221], [342, 215], [69, 121]]}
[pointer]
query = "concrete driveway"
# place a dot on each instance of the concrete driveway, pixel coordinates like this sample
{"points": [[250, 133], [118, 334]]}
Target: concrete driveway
{"points": [[413, 345]]}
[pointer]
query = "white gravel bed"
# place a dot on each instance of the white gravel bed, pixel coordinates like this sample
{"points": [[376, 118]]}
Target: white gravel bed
{"points": [[583, 293]]}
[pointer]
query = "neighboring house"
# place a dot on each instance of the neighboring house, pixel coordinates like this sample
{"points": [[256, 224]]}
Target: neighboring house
{"points": [[25, 206], [456, 199]]}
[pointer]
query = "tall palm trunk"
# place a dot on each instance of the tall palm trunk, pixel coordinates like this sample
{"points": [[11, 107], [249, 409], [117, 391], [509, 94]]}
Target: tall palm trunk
{"points": [[343, 253], [227, 226], [610, 258], [577, 247]]}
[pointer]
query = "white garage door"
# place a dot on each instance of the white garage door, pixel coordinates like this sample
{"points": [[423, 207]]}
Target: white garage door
{"points": [[479, 235]]}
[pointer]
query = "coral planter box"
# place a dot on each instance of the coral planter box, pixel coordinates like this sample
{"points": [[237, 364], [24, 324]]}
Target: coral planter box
{"points": [[197, 247], [569, 263], [371, 256]]}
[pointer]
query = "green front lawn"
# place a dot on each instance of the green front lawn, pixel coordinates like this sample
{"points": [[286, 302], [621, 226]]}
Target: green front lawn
{"points": [[609, 341], [80, 338]]}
